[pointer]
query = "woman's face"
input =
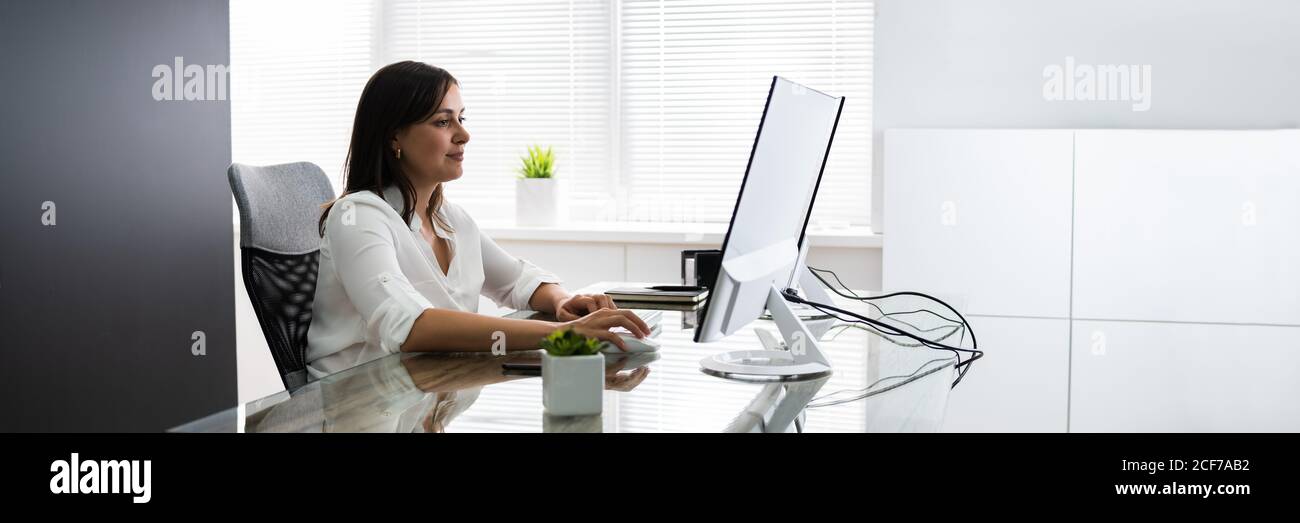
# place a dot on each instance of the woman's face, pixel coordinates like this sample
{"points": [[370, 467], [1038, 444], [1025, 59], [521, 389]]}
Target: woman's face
{"points": [[433, 150]]}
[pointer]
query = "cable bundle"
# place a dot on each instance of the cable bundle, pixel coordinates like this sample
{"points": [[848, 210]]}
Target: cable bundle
{"points": [[891, 333]]}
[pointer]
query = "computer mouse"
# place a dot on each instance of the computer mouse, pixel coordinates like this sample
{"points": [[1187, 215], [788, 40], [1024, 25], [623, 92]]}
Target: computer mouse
{"points": [[633, 343]]}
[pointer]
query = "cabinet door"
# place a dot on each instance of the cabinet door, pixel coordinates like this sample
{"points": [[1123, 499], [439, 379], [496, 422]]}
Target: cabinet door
{"points": [[1193, 226], [1020, 384], [980, 214], [1138, 376]]}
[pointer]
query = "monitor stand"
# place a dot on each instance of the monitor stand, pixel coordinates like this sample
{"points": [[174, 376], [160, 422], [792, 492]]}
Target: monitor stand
{"points": [[802, 359]]}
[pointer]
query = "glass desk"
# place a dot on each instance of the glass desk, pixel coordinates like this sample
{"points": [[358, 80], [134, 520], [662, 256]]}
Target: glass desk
{"points": [[903, 389]]}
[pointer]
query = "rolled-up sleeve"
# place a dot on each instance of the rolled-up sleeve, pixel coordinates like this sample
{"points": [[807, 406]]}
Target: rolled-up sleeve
{"points": [[365, 258], [510, 281]]}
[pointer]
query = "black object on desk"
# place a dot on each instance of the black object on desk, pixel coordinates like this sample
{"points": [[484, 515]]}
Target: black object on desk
{"points": [[700, 267], [676, 288], [522, 369]]}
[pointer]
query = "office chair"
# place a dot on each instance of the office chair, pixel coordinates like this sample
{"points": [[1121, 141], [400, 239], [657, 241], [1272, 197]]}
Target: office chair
{"points": [[279, 206]]}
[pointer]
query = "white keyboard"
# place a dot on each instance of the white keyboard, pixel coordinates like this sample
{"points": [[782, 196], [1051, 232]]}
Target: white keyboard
{"points": [[651, 318]]}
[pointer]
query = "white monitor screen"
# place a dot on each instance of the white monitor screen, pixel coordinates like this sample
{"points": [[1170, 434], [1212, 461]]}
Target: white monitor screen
{"points": [[775, 200]]}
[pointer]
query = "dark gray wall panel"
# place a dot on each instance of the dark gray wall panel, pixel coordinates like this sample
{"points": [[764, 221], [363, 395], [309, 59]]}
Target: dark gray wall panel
{"points": [[96, 312]]}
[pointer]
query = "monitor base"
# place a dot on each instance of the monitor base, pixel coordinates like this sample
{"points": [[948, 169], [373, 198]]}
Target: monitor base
{"points": [[762, 366], [802, 360]]}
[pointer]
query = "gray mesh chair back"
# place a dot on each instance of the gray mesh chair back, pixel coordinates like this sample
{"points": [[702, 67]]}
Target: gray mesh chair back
{"points": [[279, 245]]}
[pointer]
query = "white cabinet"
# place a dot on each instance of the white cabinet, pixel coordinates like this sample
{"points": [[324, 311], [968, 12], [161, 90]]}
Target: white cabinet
{"points": [[980, 215], [1172, 259], [982, 219], [1192, 226], [1139, 376], [1020, 384]]}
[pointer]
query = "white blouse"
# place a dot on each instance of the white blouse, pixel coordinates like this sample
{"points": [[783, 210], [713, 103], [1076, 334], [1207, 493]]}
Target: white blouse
{"points": [[377, 274]]}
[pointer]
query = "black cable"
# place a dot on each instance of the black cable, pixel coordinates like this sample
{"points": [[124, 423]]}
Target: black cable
{"points": [[886, 330], [874, 324], [815, 271], [961, 366], [845, 326], [891, 315], [868, 299]]}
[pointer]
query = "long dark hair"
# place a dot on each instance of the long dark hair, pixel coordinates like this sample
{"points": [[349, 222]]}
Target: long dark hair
{"points": [[396, 96]]}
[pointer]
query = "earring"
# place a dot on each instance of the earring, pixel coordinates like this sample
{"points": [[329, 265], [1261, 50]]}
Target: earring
{"points": [[399, 154]]}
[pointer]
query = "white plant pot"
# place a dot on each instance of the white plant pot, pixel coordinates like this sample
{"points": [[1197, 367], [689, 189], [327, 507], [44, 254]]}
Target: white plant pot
{"points": [[573, 385], [536, 202]]}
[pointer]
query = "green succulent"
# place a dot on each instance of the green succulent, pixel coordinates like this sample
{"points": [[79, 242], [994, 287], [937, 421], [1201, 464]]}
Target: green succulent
{"points": [[538, 163], [567, 342]]}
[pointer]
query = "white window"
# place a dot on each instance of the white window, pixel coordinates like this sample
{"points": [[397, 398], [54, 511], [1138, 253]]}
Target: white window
{"points": [[650, 105], [297, 68], [530, 72], [693, 79]]}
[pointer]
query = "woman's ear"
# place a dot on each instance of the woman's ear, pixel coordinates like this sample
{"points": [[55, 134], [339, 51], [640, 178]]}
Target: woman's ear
{"points": [[396, 139]]}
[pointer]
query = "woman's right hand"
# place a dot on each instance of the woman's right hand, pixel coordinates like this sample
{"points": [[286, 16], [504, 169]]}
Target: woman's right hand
{"points": [[597, 325]]}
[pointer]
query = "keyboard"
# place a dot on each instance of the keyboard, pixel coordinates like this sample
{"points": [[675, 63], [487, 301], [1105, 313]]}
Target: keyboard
{"points": [[650, 317]]}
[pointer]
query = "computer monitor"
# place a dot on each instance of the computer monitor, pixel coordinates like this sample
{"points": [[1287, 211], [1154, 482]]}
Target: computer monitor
{"points": [[763, 251]]}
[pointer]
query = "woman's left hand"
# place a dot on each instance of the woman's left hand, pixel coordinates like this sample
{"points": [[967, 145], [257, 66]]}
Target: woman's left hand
{"points": [[579, 305]]}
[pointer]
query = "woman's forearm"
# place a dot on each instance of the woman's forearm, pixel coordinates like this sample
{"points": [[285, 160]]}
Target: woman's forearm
{"points": [[546, 297], [452, 330]]}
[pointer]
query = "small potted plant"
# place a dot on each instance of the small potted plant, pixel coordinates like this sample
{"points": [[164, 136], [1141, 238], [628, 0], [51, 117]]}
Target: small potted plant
{"points": [[536, 191], [573, 374]]}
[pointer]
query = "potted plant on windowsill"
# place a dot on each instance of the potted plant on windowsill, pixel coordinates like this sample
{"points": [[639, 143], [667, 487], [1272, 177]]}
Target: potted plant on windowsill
{"points": [[573, 374], [537, 190]]}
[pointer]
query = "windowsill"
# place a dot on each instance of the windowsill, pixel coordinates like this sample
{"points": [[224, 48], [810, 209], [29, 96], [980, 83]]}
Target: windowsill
{"points": [[665, 233]]}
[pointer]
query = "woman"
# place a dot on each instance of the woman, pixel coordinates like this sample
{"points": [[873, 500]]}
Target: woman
{"points": [[401, 268]]}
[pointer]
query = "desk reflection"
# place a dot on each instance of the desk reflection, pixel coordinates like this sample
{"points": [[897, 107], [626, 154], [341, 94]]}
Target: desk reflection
{"points": [[418, 393]]}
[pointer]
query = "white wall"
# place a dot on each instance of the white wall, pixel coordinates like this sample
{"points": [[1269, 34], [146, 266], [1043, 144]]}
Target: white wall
{"points": [[979, 64]]}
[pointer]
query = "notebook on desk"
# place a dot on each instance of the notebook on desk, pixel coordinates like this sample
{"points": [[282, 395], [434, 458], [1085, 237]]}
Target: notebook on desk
{"points": [[657, 305], [675, 294]]}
